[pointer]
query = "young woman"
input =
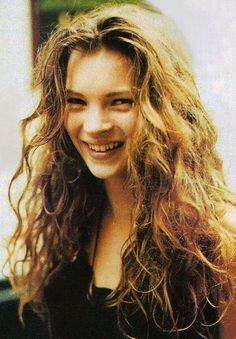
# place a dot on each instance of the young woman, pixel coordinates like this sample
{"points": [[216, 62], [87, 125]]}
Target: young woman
{"points": [[125, 224]]}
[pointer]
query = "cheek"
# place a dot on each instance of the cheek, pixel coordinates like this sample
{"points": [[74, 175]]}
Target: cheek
{"points": [[71, 125], [66, 122], [130, 124]]}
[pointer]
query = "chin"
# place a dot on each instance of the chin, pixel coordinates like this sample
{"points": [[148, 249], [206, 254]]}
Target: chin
{"points": [[106, 174], [103, 175]]}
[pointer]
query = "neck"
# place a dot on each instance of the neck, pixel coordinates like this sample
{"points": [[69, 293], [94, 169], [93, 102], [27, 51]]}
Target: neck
{"points": [[120, 200]]}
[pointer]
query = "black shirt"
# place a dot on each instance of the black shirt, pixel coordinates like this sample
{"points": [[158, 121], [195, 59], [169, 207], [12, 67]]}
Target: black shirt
{"points": [[74, 315]]}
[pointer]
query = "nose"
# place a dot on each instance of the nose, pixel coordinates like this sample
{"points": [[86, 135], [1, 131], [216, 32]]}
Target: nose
{"points": [[97, 121]]}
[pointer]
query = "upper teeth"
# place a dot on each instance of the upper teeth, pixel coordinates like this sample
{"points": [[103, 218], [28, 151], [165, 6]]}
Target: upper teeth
{"points": [[103, 148]]}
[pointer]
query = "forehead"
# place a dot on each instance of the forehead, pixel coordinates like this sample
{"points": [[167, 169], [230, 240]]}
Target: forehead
{"points": [[101, 68]]}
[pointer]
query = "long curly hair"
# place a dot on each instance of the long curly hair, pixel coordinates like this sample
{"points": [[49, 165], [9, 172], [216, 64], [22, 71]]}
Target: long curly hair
{"points": [[174, 173]]}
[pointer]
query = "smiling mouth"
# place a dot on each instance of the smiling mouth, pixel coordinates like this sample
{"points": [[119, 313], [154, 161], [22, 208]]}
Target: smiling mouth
{"points": [[105, 148]]}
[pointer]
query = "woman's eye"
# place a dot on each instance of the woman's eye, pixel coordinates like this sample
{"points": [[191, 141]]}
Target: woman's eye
{"points": [[124, 103], [75, 101]]}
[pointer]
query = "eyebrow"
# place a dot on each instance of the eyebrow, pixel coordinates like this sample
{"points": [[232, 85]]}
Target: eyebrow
{"points": [[110, 94]]}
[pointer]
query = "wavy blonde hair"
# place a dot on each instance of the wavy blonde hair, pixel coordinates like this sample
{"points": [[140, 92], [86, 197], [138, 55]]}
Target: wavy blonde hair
{"points": [[174, 173]]}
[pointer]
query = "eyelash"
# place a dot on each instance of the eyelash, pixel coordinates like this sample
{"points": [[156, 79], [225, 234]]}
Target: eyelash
{"points": [[75, 101], [123, 101], [115, 102]]}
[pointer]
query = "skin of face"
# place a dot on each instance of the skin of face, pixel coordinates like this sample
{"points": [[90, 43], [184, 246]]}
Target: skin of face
{"points": [[100, 114]]}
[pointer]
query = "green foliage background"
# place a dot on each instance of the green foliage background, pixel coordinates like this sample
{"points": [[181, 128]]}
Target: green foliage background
{"points": [[50, 10], [77, 5]]}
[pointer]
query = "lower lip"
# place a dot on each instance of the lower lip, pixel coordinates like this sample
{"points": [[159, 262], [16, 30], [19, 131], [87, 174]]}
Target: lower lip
{"points": [[102, 155]]}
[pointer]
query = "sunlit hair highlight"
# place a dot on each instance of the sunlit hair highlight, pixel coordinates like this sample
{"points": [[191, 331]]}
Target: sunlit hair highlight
{"points": [[174, 173]]}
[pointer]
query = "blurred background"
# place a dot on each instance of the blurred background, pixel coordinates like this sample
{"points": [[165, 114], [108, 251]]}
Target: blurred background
{"points": [[208, 26]]}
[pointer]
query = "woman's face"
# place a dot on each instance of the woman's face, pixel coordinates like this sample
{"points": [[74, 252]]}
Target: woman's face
{"points": [[100, 115]]}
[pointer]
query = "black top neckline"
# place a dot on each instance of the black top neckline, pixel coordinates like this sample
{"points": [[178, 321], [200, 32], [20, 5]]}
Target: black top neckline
{"points": [[74, 315], [97, 289]]}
